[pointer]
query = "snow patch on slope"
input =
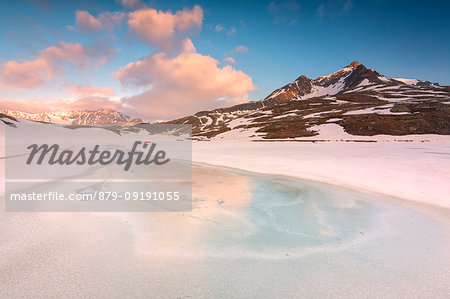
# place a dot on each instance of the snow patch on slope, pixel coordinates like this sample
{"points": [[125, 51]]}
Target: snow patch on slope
{"points": [[318, 91], [407, 81]]}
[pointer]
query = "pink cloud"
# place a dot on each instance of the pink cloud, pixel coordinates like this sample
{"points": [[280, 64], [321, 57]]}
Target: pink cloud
{"points": [[240, 49], [87, 90], [229, 60], [67, 104], [107, 20], [230, 32], [87, 98], [87, 21], [182, 85], [66, 52], [30, 105], [111, 19], [160, 28], [175, 86], [25, 74], [85, 103], [186, 19], [35, 72], [219, 28]]}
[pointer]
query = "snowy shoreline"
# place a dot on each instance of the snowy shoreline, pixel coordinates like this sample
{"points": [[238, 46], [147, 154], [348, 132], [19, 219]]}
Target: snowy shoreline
{"points": [[414, 171]]}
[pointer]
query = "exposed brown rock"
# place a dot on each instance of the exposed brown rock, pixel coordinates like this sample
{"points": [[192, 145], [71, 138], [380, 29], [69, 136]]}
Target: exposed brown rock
{"points": [[353, 65], [382, 106]]}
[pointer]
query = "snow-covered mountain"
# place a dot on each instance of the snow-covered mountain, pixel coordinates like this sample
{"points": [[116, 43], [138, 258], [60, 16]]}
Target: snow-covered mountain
{"points": [[348, 78], [96, 117], [353, 102]]}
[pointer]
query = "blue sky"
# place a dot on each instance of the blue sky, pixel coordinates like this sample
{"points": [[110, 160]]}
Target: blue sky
{"points": [[281, 40]]}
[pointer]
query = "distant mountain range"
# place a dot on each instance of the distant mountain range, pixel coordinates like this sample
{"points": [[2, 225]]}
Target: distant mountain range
{"points": [[355, 101], [358, 100], [96, 117]]}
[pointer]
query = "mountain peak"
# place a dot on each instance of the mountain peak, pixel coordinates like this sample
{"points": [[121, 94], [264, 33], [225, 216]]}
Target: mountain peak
{"points": [[87, 117], [353, 65], [302, 78]]}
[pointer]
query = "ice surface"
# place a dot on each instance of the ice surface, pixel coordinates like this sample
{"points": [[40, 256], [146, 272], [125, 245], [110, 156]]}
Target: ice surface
{"points": [[418, 171], [247, 236], [253, 235]]}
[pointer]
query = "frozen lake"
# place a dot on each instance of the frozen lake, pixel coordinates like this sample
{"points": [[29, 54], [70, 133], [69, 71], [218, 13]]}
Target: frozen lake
{"points": [[248, 235]]}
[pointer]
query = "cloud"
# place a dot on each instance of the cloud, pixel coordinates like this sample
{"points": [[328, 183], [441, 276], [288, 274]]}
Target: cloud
{"points": [[87, 90], [35, 72], [169, 84], [333, 9], [30, 105], [25, 74], [131, 3], [159, 28], [108, 20], [182, 85], [231, 32], [284, 11], [219, 28], [111, 19], [229, 60], [240, 49], [85, 103], [65, 104], [86, 21], [87, 98]]}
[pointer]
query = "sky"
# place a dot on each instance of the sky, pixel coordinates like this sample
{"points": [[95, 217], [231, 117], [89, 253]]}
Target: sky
{"points": [[166, 59]]}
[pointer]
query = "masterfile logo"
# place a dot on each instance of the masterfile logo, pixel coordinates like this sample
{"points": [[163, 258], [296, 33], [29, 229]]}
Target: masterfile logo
{"points": [[110, 168], [95, 156]]}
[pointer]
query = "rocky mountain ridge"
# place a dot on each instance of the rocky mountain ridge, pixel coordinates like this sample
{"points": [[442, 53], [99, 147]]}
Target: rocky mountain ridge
{"points": [[355, 101], [95, 117]]}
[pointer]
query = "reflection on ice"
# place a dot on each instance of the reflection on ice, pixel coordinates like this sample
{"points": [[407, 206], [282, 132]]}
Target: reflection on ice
{"points": [[248, 235], [240, 215]]}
